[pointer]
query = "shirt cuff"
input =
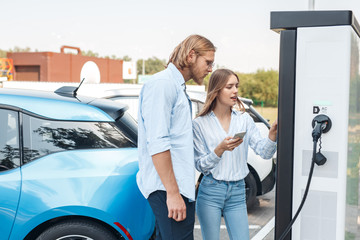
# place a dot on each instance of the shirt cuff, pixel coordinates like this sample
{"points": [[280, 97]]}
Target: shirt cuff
{"points": [[213, 158], [271, 142], [158, 145]]}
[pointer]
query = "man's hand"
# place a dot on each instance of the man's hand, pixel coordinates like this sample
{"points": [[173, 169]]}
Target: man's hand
{"points": [[176, 207], [175, 203]]}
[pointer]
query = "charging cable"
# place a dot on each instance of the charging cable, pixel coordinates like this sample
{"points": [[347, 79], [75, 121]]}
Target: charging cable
{"points": [[321, 124]]}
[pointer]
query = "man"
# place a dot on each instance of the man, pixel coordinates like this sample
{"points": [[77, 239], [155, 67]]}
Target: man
{"points": [[166, 174]]}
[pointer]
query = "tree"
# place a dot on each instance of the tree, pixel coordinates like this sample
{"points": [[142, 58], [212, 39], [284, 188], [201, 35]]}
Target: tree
{"points": [[89, 53], [152, 65], [9, 157], [3, 53], [205, 82], [261, 86], [126, 58], [114, 57], [19, 49]]}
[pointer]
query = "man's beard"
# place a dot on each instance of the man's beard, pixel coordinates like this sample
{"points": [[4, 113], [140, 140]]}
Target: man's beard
{"points": [[195, 74]]}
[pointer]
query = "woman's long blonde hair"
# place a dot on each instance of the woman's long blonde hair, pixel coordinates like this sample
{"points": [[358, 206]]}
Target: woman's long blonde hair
{"points": [[197, 43], [217, 82]]}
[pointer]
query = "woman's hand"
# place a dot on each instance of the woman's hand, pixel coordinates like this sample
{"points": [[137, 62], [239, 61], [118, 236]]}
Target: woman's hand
{"points": [[273, 131], [228, 144]]}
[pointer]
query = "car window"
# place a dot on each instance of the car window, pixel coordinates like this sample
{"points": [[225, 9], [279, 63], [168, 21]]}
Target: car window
{"points": [[9, 140], [43, 136], [128, 125]]}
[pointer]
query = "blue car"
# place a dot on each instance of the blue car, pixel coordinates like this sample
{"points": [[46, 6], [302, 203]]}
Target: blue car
{"points": [[68, 169]]}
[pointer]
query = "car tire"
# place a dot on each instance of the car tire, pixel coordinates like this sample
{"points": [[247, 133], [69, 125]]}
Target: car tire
{"points": [[251, 191], [76, 229]]}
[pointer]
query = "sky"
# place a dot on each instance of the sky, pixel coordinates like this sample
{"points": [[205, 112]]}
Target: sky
{"points": [[141, 29]]}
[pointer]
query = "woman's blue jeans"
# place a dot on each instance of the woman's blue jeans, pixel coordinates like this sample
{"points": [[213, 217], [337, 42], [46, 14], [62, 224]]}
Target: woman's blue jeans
{"points": [[216, 198]]}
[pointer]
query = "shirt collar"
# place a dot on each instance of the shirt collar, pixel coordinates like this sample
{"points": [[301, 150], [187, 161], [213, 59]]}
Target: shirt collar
{"points": [[178, 77], [233, 112]]}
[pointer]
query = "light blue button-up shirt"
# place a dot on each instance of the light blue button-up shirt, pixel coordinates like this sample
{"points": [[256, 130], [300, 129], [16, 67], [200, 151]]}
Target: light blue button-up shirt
{"points": [[232, 165], [164, 120]]}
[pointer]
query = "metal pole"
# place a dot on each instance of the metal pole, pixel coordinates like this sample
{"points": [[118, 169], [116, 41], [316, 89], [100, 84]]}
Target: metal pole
{"points": [[143, 67], [311, 4]]}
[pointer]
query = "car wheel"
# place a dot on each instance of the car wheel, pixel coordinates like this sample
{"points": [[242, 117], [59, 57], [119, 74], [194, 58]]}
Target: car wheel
{"points": [[251, 191], [76, 230]]}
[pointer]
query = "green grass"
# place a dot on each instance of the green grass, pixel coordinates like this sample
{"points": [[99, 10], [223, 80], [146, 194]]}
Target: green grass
{"points": [[268, 113]]}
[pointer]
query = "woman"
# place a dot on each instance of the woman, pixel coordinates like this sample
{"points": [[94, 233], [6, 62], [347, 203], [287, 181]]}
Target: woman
{"points": [[223, 159]]}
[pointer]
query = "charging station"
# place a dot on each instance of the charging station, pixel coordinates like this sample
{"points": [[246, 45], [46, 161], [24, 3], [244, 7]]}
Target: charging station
{"points": [[319, 99]]}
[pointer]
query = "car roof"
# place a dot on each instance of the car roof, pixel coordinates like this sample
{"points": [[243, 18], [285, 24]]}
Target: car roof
{"points": [[60, 106], [135, 91], [199, 96]]}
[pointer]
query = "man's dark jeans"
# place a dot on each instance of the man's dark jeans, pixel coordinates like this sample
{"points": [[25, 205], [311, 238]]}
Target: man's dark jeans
{"points": [[168, 228]]}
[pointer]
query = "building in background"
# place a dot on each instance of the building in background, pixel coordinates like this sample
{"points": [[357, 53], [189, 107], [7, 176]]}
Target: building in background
{"points": [[62, 67]]}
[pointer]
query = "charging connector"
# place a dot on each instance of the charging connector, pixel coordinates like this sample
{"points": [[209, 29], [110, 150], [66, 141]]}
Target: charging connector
{"points": [[320, 159], [321, 124]]}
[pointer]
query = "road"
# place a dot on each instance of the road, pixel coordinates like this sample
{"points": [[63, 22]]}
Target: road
{"points": [[261, 219]]}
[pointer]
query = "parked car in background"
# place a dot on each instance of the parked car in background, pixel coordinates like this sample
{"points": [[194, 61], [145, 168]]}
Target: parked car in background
{"points": [[68, 169], [261, 178]]}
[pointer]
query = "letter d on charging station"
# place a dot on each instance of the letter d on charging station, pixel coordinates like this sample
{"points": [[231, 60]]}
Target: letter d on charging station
{"points": [[318, 74]]}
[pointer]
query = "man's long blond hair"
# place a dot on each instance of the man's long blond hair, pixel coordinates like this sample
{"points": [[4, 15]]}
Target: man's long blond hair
{"points": [[218, 81], [197, 43]]}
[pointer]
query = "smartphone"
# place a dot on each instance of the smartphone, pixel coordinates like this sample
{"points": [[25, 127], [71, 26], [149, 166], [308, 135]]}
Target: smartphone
{"points": [[239, 135]]}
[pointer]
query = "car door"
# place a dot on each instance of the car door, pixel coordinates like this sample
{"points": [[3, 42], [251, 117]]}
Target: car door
{"points": [[10, 174]]}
